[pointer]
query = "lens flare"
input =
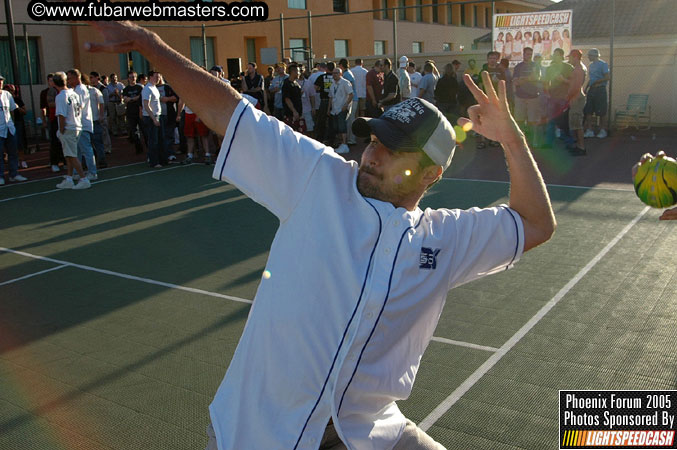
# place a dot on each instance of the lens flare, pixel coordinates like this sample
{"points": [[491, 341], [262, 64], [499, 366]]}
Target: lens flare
{"points": [[407, 172], [398, 179]]}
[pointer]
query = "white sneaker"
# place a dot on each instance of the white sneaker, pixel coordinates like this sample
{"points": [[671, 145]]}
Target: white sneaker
{"points": [[65, 184], [2, 181], [56, 169], [343, 148], [83, 184], [602, 134], [92, 176], [18, 178], [589, 134]]}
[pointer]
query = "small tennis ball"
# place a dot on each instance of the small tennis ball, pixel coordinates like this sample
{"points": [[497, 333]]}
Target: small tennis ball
{"points": [[656, 182]]}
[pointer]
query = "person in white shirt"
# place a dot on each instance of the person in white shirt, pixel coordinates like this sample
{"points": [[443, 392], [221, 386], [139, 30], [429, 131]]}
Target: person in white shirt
{"points": [[360, 74], [85, 149], [150, 101], [308, 101], [8, 139], [340, 103], [358, 273], [69, 115], [404, 78], [414, 78], [98, 112], [348, 75]]}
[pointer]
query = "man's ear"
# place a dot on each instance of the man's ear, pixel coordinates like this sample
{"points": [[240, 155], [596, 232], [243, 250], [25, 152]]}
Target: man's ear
{"points": [[431, 174]]}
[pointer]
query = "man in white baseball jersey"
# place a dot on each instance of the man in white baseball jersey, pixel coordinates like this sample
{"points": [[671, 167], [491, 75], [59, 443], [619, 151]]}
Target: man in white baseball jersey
{"points": [[69, 115], [335, 339]]}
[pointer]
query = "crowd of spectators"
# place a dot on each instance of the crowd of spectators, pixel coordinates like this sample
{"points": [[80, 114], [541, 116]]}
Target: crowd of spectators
{"points": [[321, 102]]}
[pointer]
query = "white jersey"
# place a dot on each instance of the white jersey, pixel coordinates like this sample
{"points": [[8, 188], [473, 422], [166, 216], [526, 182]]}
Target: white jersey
{"points": [[83, 92], [360, 74], [415, 78], [96, 99], [6, 123], [68, 105], [151, 94], [340, 333]]}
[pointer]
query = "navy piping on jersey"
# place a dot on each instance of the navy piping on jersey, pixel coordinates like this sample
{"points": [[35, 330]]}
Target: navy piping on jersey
{"points": [[392, 270], [517, 232], [230, 145], [345, 331]]}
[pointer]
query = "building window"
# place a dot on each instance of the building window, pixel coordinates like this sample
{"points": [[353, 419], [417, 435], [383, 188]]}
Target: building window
{"points": [[450, 15], [197, 52], [447, 47], [417, 47], [341, 6], [402, 12], [436, 18], [296, 4], [379, 47], [475, 16], [419, 11], [340, 48], [463, 22], [384, 7], [6, 61], [250, 43], [134, 61], [487, 23], [298, 49]]}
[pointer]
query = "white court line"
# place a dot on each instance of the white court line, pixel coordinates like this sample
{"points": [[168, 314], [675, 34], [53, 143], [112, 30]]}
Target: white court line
{"points": [[187, 289], [496, 357], [548, 185], [464, 344], [129, 277], [33, 274], [96, 182], [56, 177]]}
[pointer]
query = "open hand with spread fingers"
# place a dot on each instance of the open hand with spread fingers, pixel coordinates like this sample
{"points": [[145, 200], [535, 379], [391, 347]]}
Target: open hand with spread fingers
{"points": [[491, 116]]}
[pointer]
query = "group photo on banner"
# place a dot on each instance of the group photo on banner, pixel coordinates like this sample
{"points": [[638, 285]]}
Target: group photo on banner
{"points": [[543, 32]]}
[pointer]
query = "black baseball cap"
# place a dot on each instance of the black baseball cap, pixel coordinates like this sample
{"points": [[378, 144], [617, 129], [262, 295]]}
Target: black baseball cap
{"points": [[411, 126]]}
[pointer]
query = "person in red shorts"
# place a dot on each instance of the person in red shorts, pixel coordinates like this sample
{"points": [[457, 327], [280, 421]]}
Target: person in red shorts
{"points": [[194, 127]]}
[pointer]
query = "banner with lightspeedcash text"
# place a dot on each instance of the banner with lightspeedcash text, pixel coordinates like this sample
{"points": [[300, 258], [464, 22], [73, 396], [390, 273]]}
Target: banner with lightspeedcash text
{"points": [[541, 31]]}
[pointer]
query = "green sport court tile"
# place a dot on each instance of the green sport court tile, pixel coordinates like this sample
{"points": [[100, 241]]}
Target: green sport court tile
{"points": [[14, 266], [202, 233], [161, 374]]}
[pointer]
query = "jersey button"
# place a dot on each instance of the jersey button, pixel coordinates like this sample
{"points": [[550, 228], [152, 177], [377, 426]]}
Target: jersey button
{"points": [[396, 223], [387, 251], [369, 315]]}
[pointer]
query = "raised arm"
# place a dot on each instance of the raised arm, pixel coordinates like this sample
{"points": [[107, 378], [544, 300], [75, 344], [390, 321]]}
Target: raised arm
{"points": [[528, 195], [210, 98]]}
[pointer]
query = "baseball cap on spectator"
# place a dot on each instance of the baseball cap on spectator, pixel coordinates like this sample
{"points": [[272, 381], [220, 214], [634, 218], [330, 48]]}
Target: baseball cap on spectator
{"points": [[403, 61], [593, 52], [411, 126]]}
